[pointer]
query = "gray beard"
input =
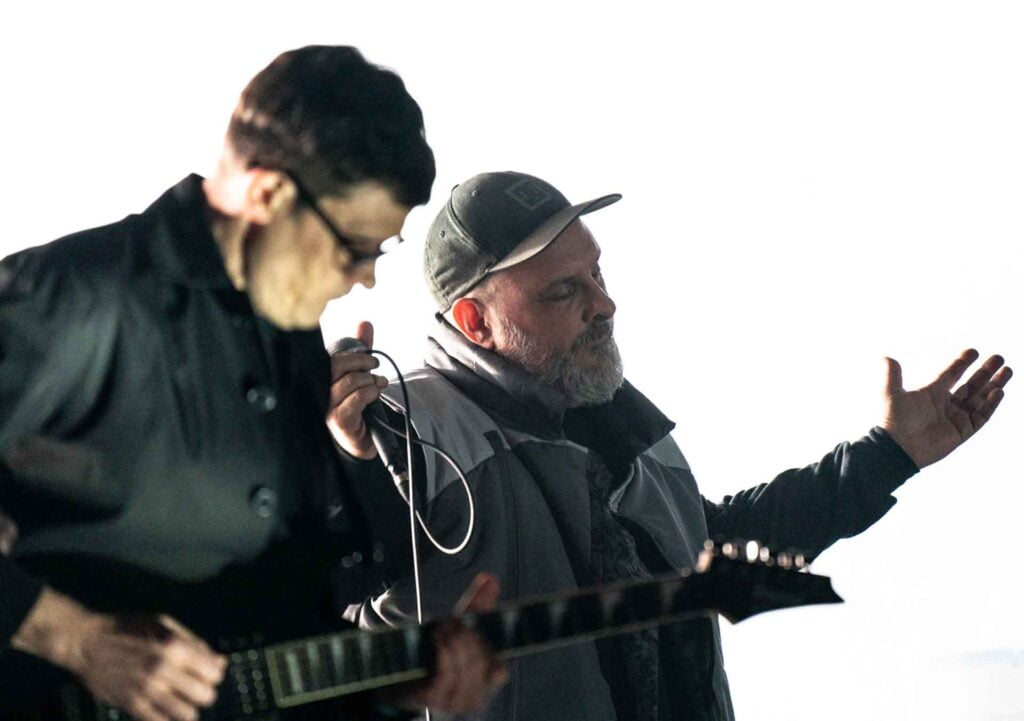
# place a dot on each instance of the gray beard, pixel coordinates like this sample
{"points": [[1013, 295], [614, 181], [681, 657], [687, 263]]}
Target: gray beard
{"points": [[582, 385]]}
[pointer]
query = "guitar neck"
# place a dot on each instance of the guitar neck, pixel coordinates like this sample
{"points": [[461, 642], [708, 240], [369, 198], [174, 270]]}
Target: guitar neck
{"points": [[299, 672]]}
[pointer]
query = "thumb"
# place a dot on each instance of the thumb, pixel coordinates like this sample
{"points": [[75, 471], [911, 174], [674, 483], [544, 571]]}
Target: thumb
{"points": [[893, 377], [364, 333], [482, 594]]}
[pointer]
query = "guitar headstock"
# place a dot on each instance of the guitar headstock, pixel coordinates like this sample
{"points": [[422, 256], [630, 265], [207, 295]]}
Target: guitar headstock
{"points": [[743, 578]]}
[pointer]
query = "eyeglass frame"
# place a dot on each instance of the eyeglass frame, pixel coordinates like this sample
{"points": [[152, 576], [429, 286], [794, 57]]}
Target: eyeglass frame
{"points": [[340, 239]]}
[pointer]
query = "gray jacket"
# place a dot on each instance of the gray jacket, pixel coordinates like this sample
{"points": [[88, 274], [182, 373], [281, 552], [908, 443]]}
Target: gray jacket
{"points": [[526, 460]]}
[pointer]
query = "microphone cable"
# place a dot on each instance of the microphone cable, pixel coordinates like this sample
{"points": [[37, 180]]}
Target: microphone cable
{"points": [[378, 419]]}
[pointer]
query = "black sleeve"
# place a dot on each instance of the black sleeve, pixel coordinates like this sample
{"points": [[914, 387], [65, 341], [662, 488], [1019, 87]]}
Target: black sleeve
{"points": [[18, 593], [386, 516], [811, 508], [54, 352]]}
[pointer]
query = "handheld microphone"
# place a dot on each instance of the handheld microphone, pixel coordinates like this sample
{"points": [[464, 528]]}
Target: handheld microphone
{"points": [[391, 453]]}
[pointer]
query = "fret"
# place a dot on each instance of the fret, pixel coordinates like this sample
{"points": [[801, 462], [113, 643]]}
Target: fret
{"points": [[667, 592], [534, 625], [376, 653], [291, 660], [584, 614], [491, 627], [638, 604], [338, 659], [317, 671], [509, 623], [557, 611], [411, 637], [354, 659], [395, 651]]}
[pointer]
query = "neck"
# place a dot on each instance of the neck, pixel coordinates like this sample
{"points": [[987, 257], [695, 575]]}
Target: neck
{"points": [[229, 230]]}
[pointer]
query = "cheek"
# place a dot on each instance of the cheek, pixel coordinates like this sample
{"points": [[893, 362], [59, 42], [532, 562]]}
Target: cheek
{"points": [[555, 331]]}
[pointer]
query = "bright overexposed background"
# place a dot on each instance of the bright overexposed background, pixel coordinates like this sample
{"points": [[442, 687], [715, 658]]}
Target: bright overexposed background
{"points": [[809, 186]]}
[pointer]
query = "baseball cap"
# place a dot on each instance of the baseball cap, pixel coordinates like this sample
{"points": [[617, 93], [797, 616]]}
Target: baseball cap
{"points": [[494, 221]]}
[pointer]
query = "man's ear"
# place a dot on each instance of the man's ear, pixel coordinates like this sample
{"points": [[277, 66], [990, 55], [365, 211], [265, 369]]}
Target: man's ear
{"points": [[269, 193], [468, 314]]}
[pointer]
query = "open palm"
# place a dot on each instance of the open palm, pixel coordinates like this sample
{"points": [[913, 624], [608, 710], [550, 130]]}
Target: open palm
{"points": [[930, 422]]}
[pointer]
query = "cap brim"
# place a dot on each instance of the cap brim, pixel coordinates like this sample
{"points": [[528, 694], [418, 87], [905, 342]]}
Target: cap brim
{"points": [[550, 229]]}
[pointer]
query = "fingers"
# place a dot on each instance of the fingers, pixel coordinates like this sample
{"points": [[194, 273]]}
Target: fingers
{"points": [[482, 594], [364, 333], [188, 672], [893, 377], [467, 674], [980, 382], [186, 664], [952, 374], [155, 668], [992, 394], [366, 385], [351, 362], [981, 416]]}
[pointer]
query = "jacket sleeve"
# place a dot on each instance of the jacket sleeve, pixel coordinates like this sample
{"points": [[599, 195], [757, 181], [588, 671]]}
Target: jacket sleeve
{"points": [[52, 348], [811, 508]]}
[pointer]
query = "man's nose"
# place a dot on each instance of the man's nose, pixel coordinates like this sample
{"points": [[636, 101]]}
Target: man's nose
{"points": [[367, 273], [601, 305]]}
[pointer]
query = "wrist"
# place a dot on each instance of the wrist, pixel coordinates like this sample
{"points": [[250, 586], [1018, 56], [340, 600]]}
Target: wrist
{"points": [[915, 454], [353, 445], [55, 628]]}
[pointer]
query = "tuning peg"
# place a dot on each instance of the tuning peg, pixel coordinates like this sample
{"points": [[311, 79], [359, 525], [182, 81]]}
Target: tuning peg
{"points": [[765, 556], [783, 560], [753, 549], [800, 561], [731, 550]]}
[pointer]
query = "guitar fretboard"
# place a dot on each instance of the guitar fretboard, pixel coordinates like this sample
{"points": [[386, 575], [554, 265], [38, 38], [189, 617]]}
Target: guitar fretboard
{"points": [[333, 665]]}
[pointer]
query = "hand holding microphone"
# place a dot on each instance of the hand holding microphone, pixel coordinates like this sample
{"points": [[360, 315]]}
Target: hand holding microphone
{"points": [[357, 419], [353, 388]]}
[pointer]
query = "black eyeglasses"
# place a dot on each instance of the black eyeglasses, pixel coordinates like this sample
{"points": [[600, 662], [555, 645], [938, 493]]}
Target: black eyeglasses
{"points": [[348, 245]]}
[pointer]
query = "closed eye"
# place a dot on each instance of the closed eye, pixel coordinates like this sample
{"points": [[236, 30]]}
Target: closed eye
{"points": [[563, 291]]}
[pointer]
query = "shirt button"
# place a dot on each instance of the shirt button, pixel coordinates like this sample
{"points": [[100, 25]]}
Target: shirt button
{"points": [[353, 559], [262, 398], [241, 322], [263, 501]]}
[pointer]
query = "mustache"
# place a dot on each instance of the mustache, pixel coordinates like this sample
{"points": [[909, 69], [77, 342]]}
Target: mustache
{"points": [[599, 330]]}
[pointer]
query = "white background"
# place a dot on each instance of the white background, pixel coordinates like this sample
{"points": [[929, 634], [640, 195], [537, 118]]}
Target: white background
{"points": [[809, 186]]}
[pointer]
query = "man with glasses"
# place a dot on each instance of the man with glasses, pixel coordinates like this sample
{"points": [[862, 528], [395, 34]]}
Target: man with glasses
{"points": [[163, 386]]}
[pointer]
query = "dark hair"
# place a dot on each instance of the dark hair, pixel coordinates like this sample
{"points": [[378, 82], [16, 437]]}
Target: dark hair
{"points": [[333, 119]]}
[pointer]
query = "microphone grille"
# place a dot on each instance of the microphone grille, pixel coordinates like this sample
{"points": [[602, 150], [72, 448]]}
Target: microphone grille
{"points": [[346, 345]]}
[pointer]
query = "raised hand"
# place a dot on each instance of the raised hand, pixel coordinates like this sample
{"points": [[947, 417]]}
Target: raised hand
{"points": [[353, 388], [930, 422]]}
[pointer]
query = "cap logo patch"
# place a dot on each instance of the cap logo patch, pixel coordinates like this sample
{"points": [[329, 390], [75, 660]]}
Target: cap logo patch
{"points": [[529, 193]]}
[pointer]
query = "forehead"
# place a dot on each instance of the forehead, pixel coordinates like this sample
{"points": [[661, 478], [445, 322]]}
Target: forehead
{"points": [[369, 210], [575, 250]]}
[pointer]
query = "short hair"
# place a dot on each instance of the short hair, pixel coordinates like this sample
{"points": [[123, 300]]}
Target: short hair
{"points": [[326, 115]]}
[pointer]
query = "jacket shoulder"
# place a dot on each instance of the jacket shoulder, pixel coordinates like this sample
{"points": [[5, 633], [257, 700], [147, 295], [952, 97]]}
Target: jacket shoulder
{"points": [[82, 264], [443, 415]]}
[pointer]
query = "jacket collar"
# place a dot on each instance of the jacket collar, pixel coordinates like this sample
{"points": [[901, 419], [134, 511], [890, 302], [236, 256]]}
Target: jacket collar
{"points": [[183, 248], [494, 383], [629, 421]]}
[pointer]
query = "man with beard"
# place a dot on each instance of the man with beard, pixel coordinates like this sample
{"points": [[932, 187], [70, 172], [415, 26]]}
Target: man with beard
{"points": [[575, 478]]}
